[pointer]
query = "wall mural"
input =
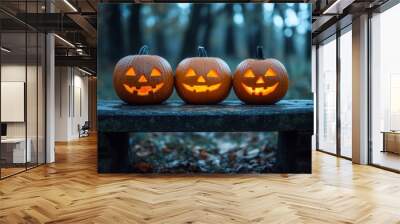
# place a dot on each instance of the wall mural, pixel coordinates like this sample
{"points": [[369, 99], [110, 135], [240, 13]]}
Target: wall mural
{"points": [[165, 77]]}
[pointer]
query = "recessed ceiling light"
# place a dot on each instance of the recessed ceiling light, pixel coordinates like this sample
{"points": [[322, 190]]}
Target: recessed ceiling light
{"points": [[337, 7], [70, 5], [5, 50], [64, 40], [84, 71]]}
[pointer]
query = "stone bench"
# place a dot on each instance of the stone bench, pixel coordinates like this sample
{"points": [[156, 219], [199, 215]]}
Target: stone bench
{"points": [[292, 119]]}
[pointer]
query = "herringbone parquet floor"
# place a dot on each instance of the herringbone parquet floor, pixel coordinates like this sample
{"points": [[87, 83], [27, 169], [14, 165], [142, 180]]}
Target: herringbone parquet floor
{"points": [[71, 191]]}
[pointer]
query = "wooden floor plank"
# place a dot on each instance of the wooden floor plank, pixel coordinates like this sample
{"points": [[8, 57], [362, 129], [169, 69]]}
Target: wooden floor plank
{"points": [[71, 191]]}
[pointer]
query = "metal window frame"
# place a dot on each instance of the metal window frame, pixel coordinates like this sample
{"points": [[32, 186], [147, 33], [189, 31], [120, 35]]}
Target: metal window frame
{"points": [[339, 32]]}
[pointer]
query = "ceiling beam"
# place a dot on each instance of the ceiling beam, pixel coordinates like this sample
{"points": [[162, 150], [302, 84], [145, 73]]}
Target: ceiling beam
{"points": [[85, 25], [320, 23], [337, 7], [49, 22], [76, 61]]}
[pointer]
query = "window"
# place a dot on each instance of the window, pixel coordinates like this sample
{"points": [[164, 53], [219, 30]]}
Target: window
{"points": [[346, 94], [327, 96], [385, 89]]}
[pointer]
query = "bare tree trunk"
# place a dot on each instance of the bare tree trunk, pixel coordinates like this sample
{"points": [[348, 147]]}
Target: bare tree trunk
{"points": [[230, 34], [251, 51], [255, 29], [189, 46], [160, 33], [209, 25], [134, 29], [288, 41], [113, 44], [259, 31]]}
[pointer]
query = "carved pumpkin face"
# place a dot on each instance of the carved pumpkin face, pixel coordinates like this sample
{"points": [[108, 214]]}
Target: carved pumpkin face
{"points": [[260, 81], [203, 80], [143, 79]]}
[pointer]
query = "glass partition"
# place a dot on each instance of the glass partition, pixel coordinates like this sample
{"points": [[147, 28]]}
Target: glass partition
{"points": [[22, 88], [13, 94]]}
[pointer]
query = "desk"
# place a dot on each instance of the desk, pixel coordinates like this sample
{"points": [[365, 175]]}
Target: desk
{"points": [[391, 141], [13, 150]]}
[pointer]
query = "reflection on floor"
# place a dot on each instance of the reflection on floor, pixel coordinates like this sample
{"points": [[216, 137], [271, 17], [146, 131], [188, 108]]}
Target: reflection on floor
{"points": [[11, 169], [71, 191], [386, 159]]}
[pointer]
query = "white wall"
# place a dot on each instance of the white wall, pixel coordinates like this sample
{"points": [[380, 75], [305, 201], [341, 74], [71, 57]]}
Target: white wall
{"points": [[61, 103], [10, 73], [16, 72], [81, 104], [71, 102]]}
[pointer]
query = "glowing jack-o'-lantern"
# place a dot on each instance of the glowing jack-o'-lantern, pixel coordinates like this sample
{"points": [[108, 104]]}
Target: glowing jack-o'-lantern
{"points": [[143, 79], [260, 81], [202, 79]]}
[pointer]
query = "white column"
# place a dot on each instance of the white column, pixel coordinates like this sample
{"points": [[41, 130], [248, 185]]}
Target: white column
{"points": [[360, 90], [50, 99]]}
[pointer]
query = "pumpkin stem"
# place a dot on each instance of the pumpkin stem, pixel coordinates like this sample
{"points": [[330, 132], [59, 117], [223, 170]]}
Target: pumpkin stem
{"points": [[144, 50], [202, 51], [260, 53]]}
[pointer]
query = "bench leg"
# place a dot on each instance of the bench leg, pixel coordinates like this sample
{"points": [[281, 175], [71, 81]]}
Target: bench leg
{"points": [[294, 152], [113, 152]]}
